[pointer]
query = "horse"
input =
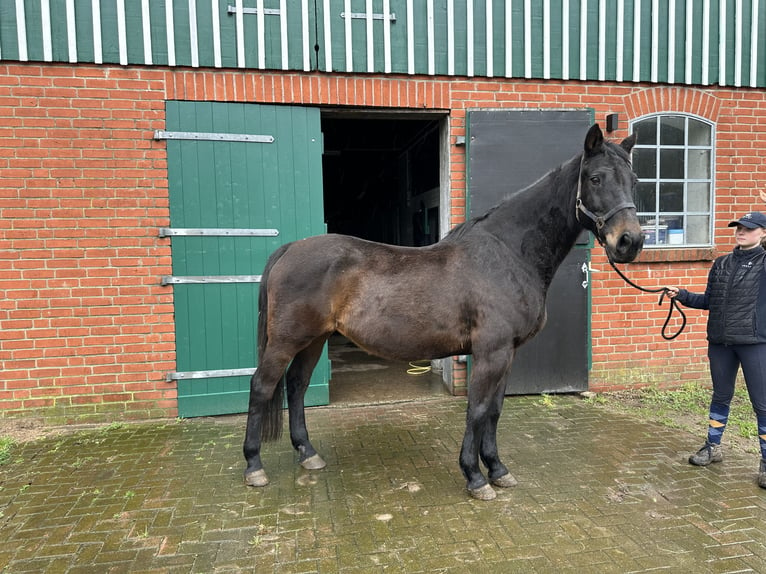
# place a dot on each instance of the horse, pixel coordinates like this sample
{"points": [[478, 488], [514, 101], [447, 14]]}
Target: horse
{"points": [[481, 290]]}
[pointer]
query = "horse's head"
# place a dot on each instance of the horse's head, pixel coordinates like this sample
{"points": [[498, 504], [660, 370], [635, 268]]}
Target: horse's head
{"points": [[605, 196]]}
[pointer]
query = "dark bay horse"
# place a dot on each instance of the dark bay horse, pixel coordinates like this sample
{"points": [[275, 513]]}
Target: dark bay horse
{"points": [[481, 290]]}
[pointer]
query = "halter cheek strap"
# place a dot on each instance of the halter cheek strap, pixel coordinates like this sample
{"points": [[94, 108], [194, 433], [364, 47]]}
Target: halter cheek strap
{"points": [[598, 220]]}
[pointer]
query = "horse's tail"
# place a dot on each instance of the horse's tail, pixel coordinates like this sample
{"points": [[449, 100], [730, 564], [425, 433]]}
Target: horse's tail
{"points": [[271, 422]]}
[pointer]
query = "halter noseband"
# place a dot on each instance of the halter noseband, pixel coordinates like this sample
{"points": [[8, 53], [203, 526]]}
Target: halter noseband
{"points": [[598, 220]]}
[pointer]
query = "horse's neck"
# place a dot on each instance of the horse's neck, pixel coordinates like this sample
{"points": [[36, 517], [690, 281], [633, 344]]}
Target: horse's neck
{"points": [[540, 220]]}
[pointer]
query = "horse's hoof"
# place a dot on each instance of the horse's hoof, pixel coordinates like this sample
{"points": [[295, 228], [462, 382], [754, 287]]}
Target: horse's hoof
{"points": [[257, 478], [314, 462], [483, 493], [505, 481]]}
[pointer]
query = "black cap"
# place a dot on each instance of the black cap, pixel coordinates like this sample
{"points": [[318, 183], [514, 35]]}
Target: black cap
{"points": [[750, 220]]}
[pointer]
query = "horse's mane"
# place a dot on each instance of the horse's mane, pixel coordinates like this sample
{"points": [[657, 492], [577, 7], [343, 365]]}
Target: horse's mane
{"points": [[462, 229]]}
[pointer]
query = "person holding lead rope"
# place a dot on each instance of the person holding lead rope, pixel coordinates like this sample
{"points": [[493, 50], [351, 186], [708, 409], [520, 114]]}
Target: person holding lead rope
{"points": [[735, 298]]}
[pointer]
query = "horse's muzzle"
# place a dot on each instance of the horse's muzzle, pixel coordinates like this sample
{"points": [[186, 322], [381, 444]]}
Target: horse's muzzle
{"points": [[625, 246]]}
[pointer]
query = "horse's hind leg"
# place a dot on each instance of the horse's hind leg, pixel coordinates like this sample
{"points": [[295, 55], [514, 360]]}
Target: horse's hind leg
{"points": [[298, 379], [266, 406]]}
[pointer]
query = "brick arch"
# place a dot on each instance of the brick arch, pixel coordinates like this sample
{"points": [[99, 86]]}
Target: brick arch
{"points": [[672, 99]]}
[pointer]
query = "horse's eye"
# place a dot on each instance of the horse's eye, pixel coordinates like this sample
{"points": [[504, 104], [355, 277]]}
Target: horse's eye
{"points": [[595, 180]]}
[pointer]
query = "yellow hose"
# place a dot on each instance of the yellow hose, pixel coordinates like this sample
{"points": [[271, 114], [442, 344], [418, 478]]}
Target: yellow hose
{"points": [[419, 369]]}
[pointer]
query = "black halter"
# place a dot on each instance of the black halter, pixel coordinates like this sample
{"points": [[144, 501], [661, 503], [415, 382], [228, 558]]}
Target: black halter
{"points": [[598, 220]]}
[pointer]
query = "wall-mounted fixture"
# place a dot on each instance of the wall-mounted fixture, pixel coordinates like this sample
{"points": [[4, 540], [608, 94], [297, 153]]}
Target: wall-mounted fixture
{"points": [[612, 122]]}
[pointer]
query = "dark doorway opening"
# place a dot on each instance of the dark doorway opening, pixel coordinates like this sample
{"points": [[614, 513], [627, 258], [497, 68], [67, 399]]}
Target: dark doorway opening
{"points": [[381, 179]]}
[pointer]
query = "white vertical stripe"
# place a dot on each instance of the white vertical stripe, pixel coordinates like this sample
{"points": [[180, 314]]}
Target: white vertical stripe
{"points": [[410, 39], [95, 7], [671, 41], [306, 36], [370, 38], [602, 40], [261, 16], [565, 40], [193, 40], [430, 34], [620, 70], [637, 41], [509, 40], [490, 41], [705, 42], [21, 30], [688, 43], [349, 50], [45, 17], [527, 38], [71, 31], [754, 45], [122, 37], [584, 39], [450, 37], [738, 43], [469, 36], [655, 39], [147, 32], [547, 39], [283, 34], [386, 36], [216, 33], [722, 43], [170, 32], [240, 24], [327, 37]]}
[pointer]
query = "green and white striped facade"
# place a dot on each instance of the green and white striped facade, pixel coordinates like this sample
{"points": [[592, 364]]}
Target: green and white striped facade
{"points": [[694, 42]]}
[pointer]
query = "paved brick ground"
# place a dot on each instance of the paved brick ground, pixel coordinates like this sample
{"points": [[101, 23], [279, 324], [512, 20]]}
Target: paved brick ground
{"points": [[597, 492]]}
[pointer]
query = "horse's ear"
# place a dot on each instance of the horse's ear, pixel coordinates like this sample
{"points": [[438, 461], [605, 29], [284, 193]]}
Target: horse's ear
{"points": [[594, 140], [628, 143]]}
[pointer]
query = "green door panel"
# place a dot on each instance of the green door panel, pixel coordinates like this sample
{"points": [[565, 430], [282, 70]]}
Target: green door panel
{"points": [[235, 185]]}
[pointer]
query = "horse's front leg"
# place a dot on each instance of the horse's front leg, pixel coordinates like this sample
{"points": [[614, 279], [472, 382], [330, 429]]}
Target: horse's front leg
{"points": [[298, 379], [483, 390], [497, 472]]}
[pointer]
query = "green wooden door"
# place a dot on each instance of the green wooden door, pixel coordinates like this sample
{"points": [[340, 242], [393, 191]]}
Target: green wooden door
{"points": [[243, 179]]}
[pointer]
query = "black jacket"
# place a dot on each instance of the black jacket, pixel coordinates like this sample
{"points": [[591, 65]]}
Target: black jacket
{"points": [[735, 297]]}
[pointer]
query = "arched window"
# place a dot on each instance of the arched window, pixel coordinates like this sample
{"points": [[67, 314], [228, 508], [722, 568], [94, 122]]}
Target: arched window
{"points": [[673, 159]]}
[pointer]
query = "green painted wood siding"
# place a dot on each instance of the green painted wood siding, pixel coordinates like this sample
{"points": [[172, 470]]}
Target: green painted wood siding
{"points": [[236, 185], [702, 42]]}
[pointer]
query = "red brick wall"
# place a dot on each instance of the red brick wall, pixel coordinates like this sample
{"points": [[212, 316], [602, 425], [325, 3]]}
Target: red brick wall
{"points": [[86, 331]]}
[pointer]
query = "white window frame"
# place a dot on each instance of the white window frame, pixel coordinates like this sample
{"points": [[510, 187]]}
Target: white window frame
{"points": [[657, 235]]}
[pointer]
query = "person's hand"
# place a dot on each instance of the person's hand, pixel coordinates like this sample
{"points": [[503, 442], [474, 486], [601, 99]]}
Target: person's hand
{"points": [[763, 196], [672, 291]]}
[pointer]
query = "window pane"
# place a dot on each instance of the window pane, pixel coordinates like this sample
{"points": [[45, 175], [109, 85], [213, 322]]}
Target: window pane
{"points": [[698, 197], [671, 164], [699, 133], [699, 164], [646, 132], [698, 229], [671, 196], [645, 163], [672, 130], [645, 197]]}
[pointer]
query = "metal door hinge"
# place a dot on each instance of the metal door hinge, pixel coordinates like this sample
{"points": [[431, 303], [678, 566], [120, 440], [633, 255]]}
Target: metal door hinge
{"points": [[215, 232], [216, 137], [363, 16], [266, 11], [186, 375]]}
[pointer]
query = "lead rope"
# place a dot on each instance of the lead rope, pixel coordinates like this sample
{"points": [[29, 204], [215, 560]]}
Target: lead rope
{"points": [[664, 290]]}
